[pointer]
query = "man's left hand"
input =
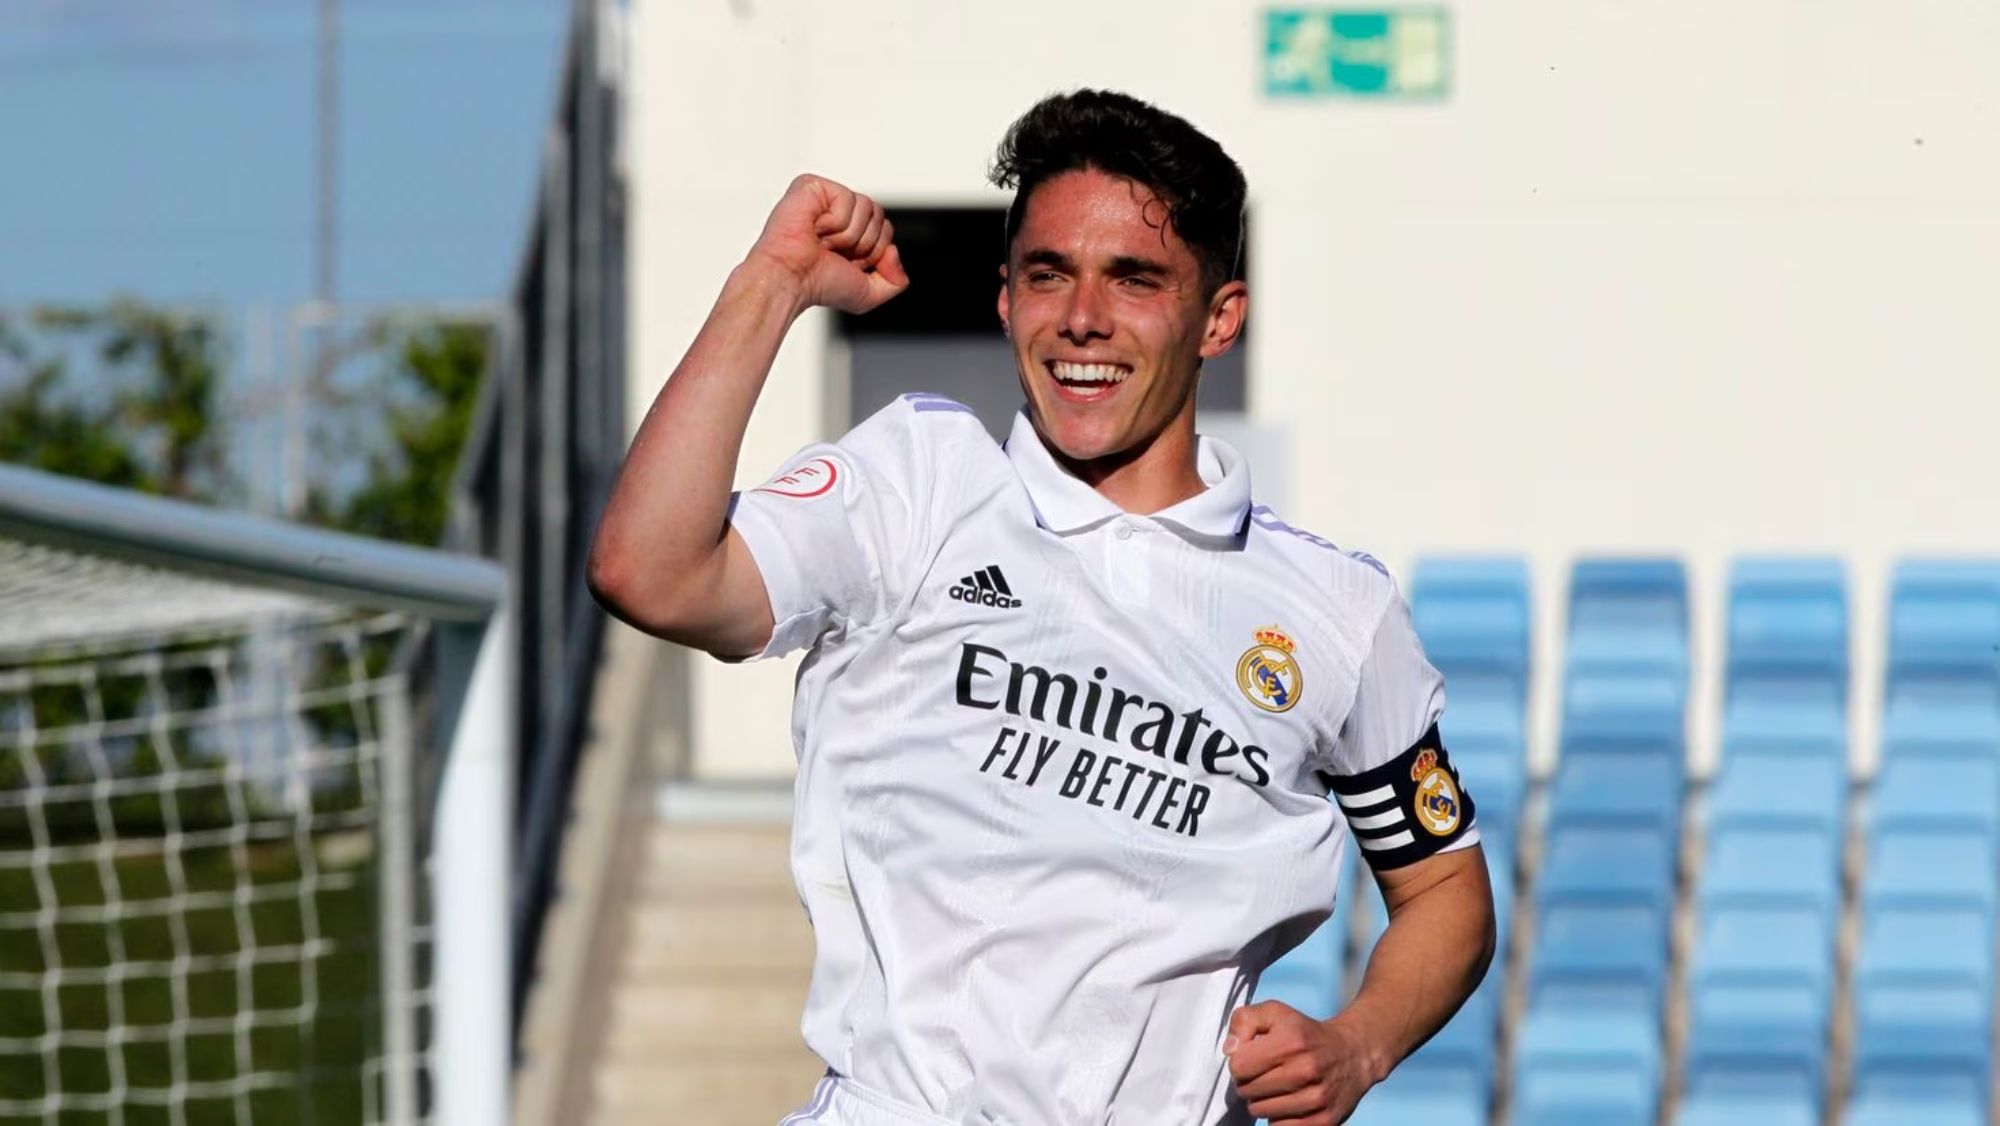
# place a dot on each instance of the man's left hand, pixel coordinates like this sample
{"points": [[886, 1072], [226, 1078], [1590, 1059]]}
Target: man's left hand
{"points": [[1294, 1070]]}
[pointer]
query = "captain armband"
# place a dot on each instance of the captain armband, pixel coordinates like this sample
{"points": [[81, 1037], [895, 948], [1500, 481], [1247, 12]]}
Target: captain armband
{"points": [[1407, 808]]}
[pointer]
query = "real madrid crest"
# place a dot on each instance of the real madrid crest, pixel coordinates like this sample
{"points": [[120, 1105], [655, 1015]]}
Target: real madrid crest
{"points": [[1437, 804], [1268, 674]]}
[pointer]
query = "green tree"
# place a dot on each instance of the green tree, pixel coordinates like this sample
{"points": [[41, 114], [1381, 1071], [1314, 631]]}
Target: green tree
{"points": [[145, 415], [423, 394]]}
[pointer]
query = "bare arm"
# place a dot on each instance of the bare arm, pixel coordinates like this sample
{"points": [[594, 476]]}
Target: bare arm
{"points": [[1293, 1069], [1437, 948], [664, 558]]}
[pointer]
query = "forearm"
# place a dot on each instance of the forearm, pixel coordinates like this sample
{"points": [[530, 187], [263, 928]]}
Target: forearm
{"points": [[666, 513], [1434, 953]]}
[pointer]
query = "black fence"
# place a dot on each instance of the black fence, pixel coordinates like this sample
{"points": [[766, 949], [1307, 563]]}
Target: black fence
{"points": [[547, 438]]}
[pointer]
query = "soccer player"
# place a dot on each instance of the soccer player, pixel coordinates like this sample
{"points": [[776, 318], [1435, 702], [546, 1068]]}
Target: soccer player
{"points": [[1073, 706]]}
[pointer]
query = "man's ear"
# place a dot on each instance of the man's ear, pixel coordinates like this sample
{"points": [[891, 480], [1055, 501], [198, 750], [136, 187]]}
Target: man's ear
{"points": [[1227, 312], [1004, 306]]}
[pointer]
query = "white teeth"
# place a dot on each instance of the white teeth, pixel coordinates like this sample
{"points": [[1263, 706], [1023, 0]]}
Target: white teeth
{"points": [[1088, 373]]}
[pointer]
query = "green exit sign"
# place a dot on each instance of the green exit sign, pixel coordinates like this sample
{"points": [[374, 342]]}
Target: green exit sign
{"points": [[1338, 52]]}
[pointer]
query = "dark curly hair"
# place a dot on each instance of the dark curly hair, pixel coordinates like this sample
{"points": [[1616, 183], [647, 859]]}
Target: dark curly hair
{"points": [[1122, 136]]}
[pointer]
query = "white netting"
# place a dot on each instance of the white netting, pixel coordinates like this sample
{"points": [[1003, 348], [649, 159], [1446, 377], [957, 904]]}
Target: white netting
{"points": [[204, 851]]}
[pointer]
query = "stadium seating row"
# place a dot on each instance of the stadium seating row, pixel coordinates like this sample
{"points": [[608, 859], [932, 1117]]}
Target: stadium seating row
{"points": [[1768, 901]]}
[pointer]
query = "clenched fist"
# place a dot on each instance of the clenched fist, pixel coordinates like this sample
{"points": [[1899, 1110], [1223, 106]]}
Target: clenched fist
{"points": [[1294, 1070], [836, 243]]}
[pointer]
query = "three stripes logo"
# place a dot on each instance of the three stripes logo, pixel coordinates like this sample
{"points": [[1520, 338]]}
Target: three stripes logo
{"points": [[1407, 808], [1377, 819], [986, 587]]}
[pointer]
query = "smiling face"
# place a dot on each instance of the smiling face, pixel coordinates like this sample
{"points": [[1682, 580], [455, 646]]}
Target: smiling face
{"points": [[1109, 320]]}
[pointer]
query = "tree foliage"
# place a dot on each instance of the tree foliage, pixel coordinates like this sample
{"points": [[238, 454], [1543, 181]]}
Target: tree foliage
{"points": [[130, 394], [424, 391], [125, 394]]}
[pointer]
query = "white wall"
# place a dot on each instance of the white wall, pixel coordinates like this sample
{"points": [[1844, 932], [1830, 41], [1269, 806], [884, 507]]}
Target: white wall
{"points": [[1699, 276]]}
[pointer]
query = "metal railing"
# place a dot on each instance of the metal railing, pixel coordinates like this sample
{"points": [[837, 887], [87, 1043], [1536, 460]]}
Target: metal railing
{"points": [[547, 438]]}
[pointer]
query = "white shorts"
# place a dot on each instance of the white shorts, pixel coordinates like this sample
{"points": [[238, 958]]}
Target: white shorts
{"points": [[842, 1102]]}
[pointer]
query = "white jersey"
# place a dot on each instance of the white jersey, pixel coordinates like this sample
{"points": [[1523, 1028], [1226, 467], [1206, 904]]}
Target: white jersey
{"points": [[1063, 771]]}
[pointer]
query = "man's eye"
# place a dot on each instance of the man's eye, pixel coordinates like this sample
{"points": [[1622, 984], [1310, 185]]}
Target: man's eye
{"points": [[1137, 282]]}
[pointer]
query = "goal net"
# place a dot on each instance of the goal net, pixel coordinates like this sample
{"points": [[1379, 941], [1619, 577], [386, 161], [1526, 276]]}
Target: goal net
{"points": [[215, 809]]}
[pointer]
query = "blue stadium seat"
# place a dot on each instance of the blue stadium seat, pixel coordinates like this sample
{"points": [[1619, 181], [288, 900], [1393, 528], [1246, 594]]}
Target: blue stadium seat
{"points": [[1618, 790], [1922, 997], [1763, 1039], [1466, 1046], [1943, 692], [1629, 613], [1765, 946], [1420, 1094], [1917, 868], [1917, 1108], [1625, 682], [1587, 1066], [1620, 710], [1785, 685], [1760, 1001], [1610, 865], [1773, 868], [1758, 791], [1592, 954], [1500, 855], [1747, 1108], [1473, 618], [1918, 794]]}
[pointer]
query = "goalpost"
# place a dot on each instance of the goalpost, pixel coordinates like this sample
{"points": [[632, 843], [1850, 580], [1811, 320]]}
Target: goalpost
{"points": [[231, 750]]}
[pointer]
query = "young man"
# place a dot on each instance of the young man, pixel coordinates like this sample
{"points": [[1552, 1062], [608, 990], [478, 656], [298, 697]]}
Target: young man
{"points": [[1073, 707]]}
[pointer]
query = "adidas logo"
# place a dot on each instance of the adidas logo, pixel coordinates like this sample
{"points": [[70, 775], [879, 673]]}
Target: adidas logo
{"points": [[986, 587]]}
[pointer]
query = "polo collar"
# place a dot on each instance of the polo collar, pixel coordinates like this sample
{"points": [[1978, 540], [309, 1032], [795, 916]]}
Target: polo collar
{"points": [[1064, 504]]}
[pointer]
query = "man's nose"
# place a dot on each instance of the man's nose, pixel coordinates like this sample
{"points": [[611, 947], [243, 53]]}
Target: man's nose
{"points": [[1085, 316]]}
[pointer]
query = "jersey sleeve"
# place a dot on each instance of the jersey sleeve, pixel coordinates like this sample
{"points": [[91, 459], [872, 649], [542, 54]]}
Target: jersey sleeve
{"points": [[1391, 775], [833, 528]]}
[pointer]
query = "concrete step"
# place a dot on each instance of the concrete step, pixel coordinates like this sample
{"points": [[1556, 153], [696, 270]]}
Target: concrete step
{"points": [[703, 1020], [709, 1089]]}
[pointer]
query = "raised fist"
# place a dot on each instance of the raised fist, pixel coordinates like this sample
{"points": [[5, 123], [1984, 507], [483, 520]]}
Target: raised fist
{"points": [[836, 242]]}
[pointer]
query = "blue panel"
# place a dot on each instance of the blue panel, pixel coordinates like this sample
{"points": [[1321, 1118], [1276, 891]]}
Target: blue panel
{"points": [[1766, 946], [1945, 618], [1596, 953], [1597, 1066], [1926, 945], [1915, 868], [1917, 1108], [1641, 791], [1784, 719], [1497, 781], [1922, 993], [1477, 714], [1616, 709], [1773, 868], [1757, 1038], [1630, 615], [1914, 793], [1928, 718], [1466, 1044], [1734, 1108], [1473, 618], [1595, 864], [1415, 1093], [1773, 792], [1788, 618]]}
